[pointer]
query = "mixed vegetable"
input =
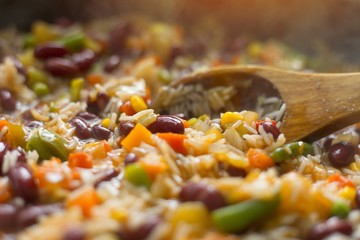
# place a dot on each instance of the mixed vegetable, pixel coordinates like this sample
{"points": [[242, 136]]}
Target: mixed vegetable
{"points": [[81, 147]]}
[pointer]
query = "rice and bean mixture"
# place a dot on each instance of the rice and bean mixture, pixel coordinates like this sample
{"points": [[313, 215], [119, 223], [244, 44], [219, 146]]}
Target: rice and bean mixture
{"points": [[84, 155]]}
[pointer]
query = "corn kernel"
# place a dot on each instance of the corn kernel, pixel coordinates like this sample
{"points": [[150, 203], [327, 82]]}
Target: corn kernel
{"points": [[27, 57], [215, 131], [192, 121], [250, 116], [138, 103], [254, 49], [355, 167], [230, 117], [43, 32], [106, 122], [118, 214], [348, 193]]}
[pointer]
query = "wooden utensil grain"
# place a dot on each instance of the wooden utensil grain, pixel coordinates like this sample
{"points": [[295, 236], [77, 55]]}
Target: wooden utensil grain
{"points": [[316, 104]]}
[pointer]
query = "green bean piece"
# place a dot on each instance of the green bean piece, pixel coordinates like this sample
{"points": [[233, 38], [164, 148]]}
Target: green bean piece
{"points": [[291, 150], [340, 209], [48, 144], [29, 41], [137, 175], [74, 42], [238, 217], [40, 89], [76, 86]]}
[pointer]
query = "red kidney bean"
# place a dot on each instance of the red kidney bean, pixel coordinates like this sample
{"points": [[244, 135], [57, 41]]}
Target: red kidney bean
{"points": [[331, 226], [107, 176], [31, 214], [141, 232], [61, 67], [50, 50], [100, 132], [270, 128], [208, 195], [102, 99], [342, 154], [131, 158], [23, 182], [235, 171], [357, 198], [167, 123], [125, 128], [82, 129], [74, 233], [118, 36], [111, 63], [86, 116], [7, 100], [8, 216], [85, 59]]}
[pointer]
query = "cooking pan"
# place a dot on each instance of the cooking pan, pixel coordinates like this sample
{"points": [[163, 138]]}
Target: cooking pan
{"points": [[303, 24]]}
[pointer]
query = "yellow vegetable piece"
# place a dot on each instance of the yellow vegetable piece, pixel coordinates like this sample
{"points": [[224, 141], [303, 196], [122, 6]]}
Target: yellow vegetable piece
{"points": [[230, 117], [106, 122], [348, 193], [216, 132], [192, 213], [138, 135], [138, 103], [43, 32], [354, 166], [93, 45], [254, 49], [250, 116], [27, 57]]}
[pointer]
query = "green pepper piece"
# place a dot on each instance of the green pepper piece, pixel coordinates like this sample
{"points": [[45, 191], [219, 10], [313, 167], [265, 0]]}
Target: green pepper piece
{"points": [[48, 144], [40, 89], [136, 174], [291, 150], [35, 143], [36, 76], [340, 209], [239, 217], [75, 89], [29, 41], [74, 42], [279, 154]]}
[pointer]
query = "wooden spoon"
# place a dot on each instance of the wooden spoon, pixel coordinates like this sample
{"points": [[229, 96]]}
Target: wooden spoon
{"points": [[316, 104]]}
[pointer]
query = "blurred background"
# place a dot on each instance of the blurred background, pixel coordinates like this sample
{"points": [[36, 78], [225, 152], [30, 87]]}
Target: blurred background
{"points": [[303, 24]]}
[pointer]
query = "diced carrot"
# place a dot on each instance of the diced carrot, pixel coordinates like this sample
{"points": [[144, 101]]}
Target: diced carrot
{"points": [[186, 123], [342, 181], [80, 159], [175, 140], [94, 78], [86, 199], [259, 159], [137, 135], [47, 169], [98, 150], [153, 168], [127, 108]]}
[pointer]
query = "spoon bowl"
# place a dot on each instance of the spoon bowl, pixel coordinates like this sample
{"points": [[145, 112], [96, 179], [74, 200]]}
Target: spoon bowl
{"points": [[317, 104]]}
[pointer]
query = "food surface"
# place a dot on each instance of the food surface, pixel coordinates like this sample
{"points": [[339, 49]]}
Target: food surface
{"points": [[84, 153]]}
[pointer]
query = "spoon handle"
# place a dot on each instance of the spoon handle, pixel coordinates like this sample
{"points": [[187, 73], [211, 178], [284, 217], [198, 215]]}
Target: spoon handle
{"points": [[316, 104]]}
